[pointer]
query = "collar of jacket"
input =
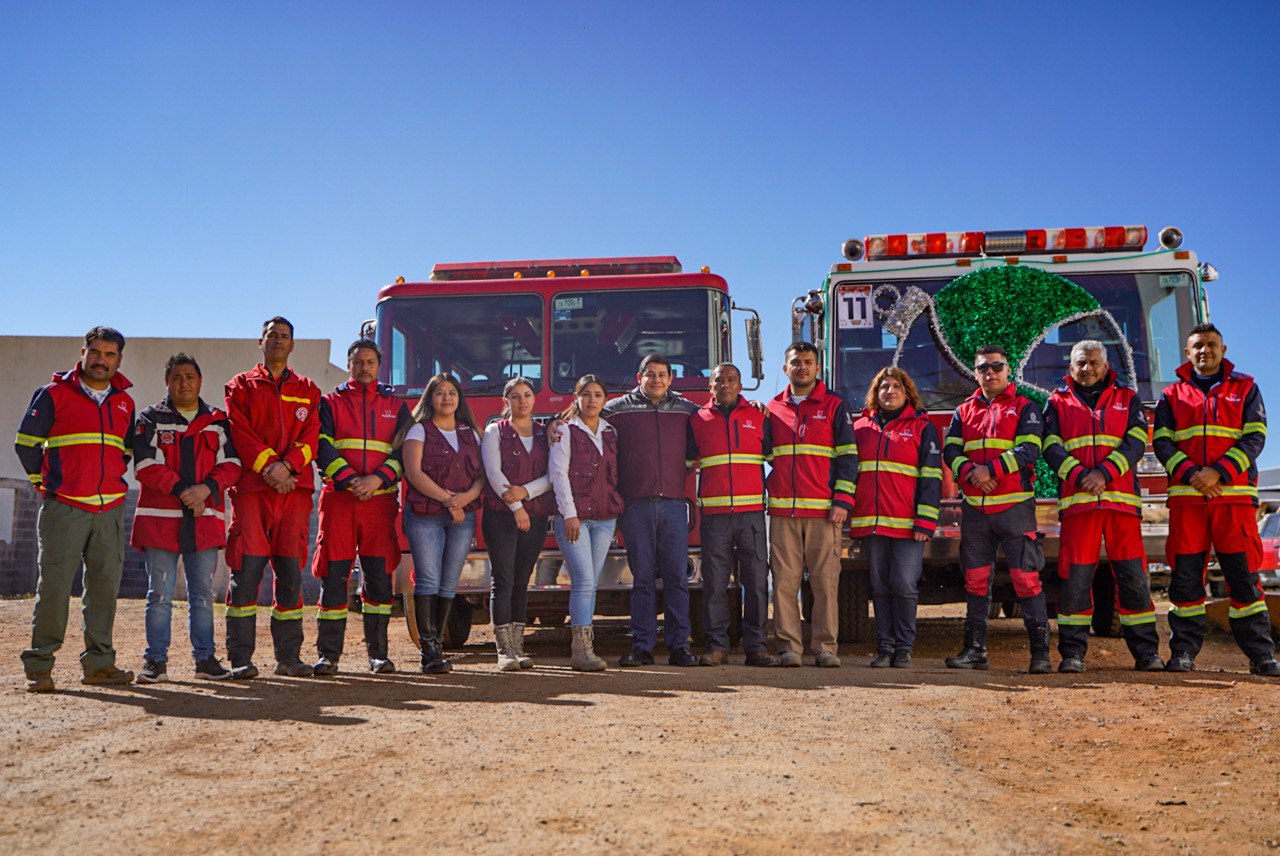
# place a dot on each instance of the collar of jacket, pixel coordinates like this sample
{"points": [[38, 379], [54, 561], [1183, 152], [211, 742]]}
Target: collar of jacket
{"points": [[119, 383], [712, 406], [372, 387], [1010, 391], [818, 393], [908, 412], [1187, 372], [638, 397], [260, 372], [166, 404], [1111, 380]]}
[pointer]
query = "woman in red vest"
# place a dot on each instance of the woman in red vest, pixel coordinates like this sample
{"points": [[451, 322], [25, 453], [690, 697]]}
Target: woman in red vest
{"points": [[895, 508], [517, 503], [584, 474], [445, 477]]}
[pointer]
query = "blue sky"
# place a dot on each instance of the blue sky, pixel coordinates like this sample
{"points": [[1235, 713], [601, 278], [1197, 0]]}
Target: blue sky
{"points": [[188, 169]]}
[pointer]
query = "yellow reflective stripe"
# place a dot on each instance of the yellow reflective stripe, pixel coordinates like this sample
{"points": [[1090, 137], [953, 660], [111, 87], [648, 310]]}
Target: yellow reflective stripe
{"points": [[337, 613], [890, 522], [1207, 430], [306, 453], [1010, 461], [376, 608], [263, 457], [295, 399], [1190, 611], [286, 614], [1076, 620], [1175, 460], [998, 499], [726, 501], [927, 511], [890, 467], [1051, 439], [385, 490], [988, 443], [1107, 496], [1138, 434], [395, 466], [1034, 439], [735, 458], [1227, 490], [804, 449], [847, 449], [931, 472], [366, 445], [1244, 612], [334, 467], [1164, 432], [29, 440], [1067, 466], [844, 486], [102, 498], [1255, 427], [800, 503], [1239, 457], [36, 479], [242, 611], [1148, 617], [1092, 440], [328, 437], [57, 440], [1121, 462], [954, 441]]}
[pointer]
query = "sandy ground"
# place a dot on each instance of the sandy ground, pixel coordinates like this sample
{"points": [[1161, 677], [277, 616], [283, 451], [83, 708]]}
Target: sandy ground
{"points": [[656, 760]]}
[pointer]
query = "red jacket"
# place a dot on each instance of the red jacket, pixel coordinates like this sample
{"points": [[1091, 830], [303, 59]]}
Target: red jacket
{"points": [[1110, 436], [731, 453], [1224, 429], [899, 476], [358, 423], [74, 449], [171, 455], [274, 420], [1004, 434], [815, 457]]}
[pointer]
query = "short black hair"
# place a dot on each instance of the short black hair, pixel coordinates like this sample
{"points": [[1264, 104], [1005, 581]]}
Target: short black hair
{"points": [[362, 344], [727, 366], [105, 334], [1206, 327], [988, 350], [801, 348], [652, 359], [278, 319], [181, 359]]}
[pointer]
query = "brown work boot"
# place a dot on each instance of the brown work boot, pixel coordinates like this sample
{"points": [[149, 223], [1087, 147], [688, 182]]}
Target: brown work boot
{"points": [[826, 660], [40, 682], [108, 676], [713, 658]]}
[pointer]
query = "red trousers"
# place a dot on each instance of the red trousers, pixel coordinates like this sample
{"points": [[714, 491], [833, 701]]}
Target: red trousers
{"points": [[266, 523], [350, 527]]}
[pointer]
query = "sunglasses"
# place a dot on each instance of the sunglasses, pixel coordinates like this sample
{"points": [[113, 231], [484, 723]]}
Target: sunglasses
{"points": [[993, 368]]}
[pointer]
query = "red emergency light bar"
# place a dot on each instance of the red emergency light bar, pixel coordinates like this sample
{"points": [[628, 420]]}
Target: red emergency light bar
{"points": [[1091, 239], [457, 271]]}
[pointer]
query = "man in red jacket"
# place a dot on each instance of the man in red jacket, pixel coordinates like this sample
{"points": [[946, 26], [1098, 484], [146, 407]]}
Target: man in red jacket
{"points": [[275, 426], [358, 507], [74, 443], [1210, 428], [184, 461]]}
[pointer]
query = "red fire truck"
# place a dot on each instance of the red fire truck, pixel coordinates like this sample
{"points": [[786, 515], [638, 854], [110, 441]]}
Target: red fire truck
{"points": [[914, 300], [553, 321]]}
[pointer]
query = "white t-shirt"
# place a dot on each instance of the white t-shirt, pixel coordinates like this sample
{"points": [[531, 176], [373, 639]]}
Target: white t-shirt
{"points": [[419, 432], [98, 395]]}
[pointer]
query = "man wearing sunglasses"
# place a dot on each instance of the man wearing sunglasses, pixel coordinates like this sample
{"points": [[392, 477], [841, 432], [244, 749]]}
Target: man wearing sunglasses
{"points": [[991, 447]]}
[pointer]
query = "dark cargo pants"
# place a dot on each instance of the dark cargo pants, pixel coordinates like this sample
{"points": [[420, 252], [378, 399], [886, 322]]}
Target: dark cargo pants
{"points": [[726, 537]]}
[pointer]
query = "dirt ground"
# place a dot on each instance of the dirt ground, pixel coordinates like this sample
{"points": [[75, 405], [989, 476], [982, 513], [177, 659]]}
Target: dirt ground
{"points": [[655, 760]]}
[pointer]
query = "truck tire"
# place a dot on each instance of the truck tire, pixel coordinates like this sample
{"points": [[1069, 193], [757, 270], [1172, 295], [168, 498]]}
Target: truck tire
{"points": [[855, 594], [456, 631], [1106, 618]]}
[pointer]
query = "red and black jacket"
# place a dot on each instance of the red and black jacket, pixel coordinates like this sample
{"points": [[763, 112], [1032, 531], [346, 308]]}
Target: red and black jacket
{"points": [[75, 449], [171, 455], [1003, 434], [274, 420], [358, 425], [899, 475], [1224, 429], [814, 454], [731, 455], [1110, 436], [455, 471]]}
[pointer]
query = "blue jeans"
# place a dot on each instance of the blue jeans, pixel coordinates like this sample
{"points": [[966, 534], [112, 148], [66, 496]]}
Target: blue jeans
{"points": [[585, 560], [895, 568], [656, 533], [439, 548], [162, 576]]}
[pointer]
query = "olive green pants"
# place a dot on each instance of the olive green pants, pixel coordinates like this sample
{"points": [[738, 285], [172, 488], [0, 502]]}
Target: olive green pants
{"points": [[69, 536]]}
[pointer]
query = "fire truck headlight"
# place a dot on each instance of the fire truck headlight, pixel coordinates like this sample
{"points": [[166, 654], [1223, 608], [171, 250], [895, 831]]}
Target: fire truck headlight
{"points": [[1171, 237], [853, 249]]}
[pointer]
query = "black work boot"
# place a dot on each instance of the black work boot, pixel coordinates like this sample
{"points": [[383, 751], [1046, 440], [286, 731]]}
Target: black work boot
{"points": [[424, 613], [1038, 633], [974, 653], [439, 665]]}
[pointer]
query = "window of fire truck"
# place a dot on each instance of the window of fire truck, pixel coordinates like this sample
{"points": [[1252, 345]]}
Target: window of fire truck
{"points": [[483, 339], [608, 332], [1151, 317]]}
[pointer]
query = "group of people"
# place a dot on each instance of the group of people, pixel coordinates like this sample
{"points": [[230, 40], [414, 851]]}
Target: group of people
{"points": [[621, 464]]}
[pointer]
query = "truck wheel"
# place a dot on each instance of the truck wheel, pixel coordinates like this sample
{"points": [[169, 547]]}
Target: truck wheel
{"points": [[1106, 618], [410, 617], [855, 621], [455, 633]]}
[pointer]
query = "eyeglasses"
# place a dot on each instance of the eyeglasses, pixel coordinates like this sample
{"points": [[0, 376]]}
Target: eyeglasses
{"points": [[993, 368]]}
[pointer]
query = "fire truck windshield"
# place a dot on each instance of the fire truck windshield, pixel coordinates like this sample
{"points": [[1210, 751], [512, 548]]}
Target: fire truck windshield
{"points": [[1152, 311], [608, 332], [482, 339]]}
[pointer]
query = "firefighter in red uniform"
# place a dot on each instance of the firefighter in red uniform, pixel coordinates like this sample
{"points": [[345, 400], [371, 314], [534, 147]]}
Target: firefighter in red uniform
{"points": [[275, 427], [358, 507], [992, 444], [1094, 435], [1210, 429], [732, 437]]}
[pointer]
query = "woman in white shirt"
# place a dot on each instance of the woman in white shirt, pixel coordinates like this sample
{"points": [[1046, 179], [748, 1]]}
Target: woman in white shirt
{"points": [[517, 503], [583, 465]]}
